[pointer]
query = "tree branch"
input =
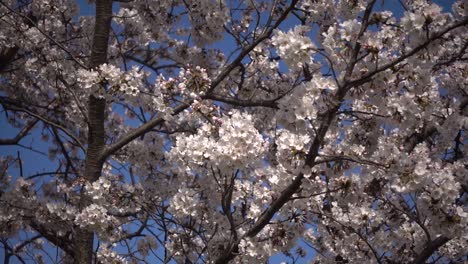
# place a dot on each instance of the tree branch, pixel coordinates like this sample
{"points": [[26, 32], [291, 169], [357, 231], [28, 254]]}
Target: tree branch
{"points": [[327, 118], [33, 23], [62, 242], [46, 121], [23, 133], [124, 140], [368, 76], [430, 248]]}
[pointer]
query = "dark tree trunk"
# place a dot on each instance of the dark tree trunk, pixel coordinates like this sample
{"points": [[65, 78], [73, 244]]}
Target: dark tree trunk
{"points": [[84, 239]]}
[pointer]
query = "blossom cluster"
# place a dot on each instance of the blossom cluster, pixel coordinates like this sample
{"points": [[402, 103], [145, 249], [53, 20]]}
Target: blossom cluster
{"points": [[234, 143], [294, 46], [110, 80], [307, 101]]}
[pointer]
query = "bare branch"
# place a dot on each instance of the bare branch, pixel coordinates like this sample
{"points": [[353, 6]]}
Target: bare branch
{"points": [[23, 133], [46, 121]]}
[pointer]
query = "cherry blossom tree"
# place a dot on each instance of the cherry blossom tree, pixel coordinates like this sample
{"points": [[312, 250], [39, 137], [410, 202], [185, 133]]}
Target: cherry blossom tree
{"points": [[218, 131]]}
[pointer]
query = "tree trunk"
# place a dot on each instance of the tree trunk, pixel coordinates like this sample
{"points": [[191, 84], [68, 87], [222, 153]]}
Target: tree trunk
{"points": [[83, 239]]}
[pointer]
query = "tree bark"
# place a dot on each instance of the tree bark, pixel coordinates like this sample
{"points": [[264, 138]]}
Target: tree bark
{"points": [[83, 239]]}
